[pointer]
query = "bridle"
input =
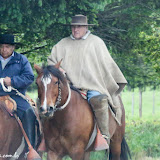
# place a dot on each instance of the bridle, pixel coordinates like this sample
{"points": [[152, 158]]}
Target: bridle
{"points": [[59, 98], [57, 106]]}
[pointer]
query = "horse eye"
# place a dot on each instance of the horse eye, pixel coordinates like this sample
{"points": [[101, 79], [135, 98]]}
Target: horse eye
{"points": [[56, 82]]}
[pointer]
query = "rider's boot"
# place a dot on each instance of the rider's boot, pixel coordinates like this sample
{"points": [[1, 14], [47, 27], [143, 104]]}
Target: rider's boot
{"points": [[99, 105], [28, 122]]}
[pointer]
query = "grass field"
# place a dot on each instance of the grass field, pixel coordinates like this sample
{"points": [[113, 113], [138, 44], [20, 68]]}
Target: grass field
{"points": [[142, 134], [147, 104]]}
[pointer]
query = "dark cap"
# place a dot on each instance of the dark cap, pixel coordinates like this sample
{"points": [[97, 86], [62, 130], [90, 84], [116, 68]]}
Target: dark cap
{"points": [[7, 39]]}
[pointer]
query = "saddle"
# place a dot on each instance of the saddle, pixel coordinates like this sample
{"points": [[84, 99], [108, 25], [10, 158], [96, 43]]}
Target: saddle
{"points": [[10, 104], [11, 107]]}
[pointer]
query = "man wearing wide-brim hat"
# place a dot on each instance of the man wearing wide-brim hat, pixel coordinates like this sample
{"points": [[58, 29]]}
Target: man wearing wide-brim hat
{"points": [[17, 72], [90, 67]]}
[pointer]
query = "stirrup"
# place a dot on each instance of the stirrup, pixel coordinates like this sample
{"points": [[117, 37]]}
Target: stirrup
{"points": [[26, 154], [107, 139]]}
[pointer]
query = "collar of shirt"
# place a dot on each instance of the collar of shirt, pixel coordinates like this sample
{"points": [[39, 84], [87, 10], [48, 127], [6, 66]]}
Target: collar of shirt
{"points": [[2, 59], [84, 37]]}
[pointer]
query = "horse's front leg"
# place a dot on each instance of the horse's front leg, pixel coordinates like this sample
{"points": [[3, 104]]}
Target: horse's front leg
{"points": [[52, 156]]}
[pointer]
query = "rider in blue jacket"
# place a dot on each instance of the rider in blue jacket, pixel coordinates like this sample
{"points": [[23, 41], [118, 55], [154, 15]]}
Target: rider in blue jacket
{"points": [[17, 72]]}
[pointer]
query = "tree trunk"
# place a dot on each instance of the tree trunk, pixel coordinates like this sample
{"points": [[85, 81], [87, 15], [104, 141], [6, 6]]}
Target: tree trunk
{"points": [[132, 103], [140, 103], [153, 110]]}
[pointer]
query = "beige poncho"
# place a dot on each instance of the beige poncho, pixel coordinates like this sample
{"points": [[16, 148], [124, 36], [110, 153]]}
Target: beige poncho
{"points": [[89, 65]]}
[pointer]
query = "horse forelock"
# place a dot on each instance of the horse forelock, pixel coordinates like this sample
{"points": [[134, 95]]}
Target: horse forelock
{"points": [[51, 70]]}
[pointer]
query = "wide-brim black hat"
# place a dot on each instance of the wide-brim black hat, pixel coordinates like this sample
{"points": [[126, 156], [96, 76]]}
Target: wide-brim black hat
{"points": [[79, 20], [7, 39]]}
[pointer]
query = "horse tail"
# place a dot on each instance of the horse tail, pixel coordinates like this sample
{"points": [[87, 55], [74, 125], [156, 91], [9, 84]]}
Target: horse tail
{"points": [[125, 151]]}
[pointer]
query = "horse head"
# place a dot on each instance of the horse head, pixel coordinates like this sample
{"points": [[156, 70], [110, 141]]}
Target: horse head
{"points": [[50, 81]]}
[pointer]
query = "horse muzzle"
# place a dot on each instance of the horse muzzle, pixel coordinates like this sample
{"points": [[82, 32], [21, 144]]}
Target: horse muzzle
{"points": [[49, 112]]}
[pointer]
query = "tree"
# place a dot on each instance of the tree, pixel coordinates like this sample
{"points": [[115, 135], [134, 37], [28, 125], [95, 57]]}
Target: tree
{"points": [[38, 24]]}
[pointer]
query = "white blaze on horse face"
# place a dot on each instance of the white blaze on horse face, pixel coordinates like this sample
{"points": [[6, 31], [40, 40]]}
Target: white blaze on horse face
{"points": [[46, 81]]}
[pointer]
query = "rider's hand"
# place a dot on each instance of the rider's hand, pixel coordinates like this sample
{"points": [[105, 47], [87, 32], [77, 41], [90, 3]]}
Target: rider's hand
{"points": [[7, 81]]}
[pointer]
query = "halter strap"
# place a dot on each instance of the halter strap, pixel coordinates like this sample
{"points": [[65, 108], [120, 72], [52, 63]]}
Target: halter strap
{"points": [[68, 99]]}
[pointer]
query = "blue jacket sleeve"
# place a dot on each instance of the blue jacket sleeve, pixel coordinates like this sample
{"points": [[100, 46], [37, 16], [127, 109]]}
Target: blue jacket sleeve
{"points": [[26, 76]]}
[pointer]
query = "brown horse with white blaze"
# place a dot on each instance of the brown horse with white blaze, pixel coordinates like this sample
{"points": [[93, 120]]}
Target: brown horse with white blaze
{"points": [[68, 120]]}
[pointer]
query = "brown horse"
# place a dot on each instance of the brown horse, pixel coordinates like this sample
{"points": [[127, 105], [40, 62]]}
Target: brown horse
{"points": [[12, 144], [68, 120], [10, 135]]}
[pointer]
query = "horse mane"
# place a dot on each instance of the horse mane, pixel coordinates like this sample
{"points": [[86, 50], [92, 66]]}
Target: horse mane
{"points": [[50, 69], [71, 85]]}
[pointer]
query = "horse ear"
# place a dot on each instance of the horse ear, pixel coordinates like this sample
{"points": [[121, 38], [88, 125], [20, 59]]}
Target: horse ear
{"points": [[38, 68], [58, 64]]}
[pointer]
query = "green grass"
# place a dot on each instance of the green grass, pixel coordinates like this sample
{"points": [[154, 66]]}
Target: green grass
{"points": [[147, 104], [143, 134], [33, 95], [143, 137]]}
